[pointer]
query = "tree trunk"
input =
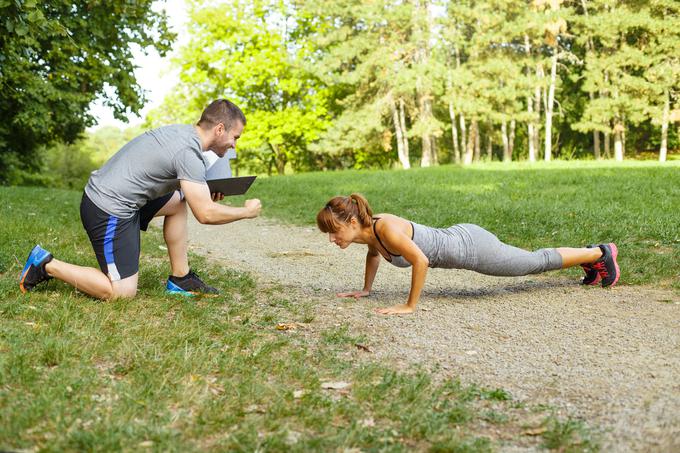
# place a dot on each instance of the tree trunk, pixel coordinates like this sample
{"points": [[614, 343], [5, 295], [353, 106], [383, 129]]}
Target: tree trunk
{"points": [[589, 48], [470, 146], [402, 120], [511, 139], [607, 135], [463, 132], [663, 150], [618, 141], [434, 148], [477, 141], [530, 132], [454, 134], [429, 156], [596, 134], [401, 152], [422, 56], [549, 107], [506, 142], [623, 137], [537, 110], [531, 129], [607, 145], [279, 159], [489, 147]]}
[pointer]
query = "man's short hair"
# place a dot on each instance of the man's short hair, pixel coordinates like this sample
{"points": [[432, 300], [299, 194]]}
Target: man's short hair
{"points": [[221, 111]]}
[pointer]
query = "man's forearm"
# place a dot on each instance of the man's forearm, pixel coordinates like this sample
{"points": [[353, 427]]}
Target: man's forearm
{"points": [[218, 214]]}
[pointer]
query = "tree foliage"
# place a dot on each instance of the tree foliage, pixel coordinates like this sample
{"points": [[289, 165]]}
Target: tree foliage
{"points": [[370, 83], [255, 53], [357, 83], [56, 57]]}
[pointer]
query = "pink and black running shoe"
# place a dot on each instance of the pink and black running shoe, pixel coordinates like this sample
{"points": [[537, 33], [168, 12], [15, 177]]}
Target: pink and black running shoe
{"points": [[606, 266], [592, 276]]}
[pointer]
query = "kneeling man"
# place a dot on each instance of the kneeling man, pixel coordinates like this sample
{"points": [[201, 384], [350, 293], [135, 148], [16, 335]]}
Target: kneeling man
{"points": [[139, 182]]}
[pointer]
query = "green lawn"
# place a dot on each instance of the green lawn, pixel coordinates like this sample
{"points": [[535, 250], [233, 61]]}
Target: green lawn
{"points": [[635, 204], [215, 374]]}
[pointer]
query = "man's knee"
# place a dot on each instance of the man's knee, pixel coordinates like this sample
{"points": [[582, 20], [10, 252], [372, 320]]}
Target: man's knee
{"points": [[125, 288], [124, 293]]}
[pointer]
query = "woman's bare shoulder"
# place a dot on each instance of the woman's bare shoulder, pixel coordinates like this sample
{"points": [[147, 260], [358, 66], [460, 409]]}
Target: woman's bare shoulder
{"points": [[388, 216], [392, 221]]}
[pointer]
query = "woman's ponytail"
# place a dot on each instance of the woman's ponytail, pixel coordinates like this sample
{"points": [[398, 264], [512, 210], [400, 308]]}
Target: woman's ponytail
{"points": [[364, 213]]}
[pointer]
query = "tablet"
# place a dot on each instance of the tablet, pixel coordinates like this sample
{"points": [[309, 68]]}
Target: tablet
{"points": [[231, 186]]}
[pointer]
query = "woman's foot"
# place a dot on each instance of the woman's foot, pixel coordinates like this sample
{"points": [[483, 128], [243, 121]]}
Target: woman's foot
{"points": [[592, 276], [607, 267]]}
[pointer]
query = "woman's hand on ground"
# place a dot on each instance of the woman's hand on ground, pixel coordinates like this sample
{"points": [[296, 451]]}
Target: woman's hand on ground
{"points": [[354, 294], [396, 310]]}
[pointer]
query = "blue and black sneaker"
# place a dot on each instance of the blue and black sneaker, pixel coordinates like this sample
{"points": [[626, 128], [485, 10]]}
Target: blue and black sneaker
{"points": [[189, 285], [34, 271]]}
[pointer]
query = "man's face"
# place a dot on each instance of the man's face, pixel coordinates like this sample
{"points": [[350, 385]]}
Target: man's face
{"points": [[225, 140]]}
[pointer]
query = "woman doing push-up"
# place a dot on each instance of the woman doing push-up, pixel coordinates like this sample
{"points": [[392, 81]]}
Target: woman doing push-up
{"points": [[403, 243]]}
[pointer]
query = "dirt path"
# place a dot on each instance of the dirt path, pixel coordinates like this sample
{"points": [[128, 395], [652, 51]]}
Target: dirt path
{"points": [[611, 357]]}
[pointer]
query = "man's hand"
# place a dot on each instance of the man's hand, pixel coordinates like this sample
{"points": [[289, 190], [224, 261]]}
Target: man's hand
{"points": [[354, 294], [217, 196], [254, 206], [396, 310], [207, 212]]}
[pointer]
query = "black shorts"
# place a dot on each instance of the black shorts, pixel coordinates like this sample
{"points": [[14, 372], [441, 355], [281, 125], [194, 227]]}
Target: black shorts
{"points": [[116, 241]]}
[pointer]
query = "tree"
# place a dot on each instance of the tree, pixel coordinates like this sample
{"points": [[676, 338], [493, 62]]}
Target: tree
{"points": [[487, 84], [381, 52], [664, 69], [256, 54], [615, 67], [56, 58]]}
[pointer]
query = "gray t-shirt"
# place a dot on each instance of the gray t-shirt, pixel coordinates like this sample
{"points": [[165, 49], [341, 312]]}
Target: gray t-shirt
{"points": [[146, 168]]}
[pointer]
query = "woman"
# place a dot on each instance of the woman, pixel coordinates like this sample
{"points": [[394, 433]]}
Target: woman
{"points": [[350, 220]]}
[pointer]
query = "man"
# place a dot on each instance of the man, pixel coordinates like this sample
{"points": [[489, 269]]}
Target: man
{"points": [[138, 183]]}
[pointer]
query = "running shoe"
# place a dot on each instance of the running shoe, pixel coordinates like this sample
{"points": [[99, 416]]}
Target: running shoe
{"points": [[189, 285], [592, 276], [34, 271], [607, 267]]}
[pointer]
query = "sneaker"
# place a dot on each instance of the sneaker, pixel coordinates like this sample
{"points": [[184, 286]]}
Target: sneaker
{"points": [[34, 271], [607, 267], [189, 285], [592, 276]]}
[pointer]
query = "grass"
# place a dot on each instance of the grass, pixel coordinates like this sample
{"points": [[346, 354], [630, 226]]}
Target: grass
{"points": [[206, 374], [569, 436], [635, 204]]}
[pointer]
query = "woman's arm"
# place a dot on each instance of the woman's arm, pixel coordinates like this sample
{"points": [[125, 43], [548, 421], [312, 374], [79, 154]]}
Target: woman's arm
{"points": [[397, 241], [372, 263]]}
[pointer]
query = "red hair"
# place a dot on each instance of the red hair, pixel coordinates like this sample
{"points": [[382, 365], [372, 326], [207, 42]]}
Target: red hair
{"points": [[340, 210]]}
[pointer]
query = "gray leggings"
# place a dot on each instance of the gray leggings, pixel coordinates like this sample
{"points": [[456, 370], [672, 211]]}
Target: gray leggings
{"points": [[488, 255]]}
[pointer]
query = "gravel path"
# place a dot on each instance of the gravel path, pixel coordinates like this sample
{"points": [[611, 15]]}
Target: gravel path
{"points": [[611, 357]]}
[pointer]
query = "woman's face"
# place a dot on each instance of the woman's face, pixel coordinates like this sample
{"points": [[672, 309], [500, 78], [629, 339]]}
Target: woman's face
{"points": [[345, 235]]}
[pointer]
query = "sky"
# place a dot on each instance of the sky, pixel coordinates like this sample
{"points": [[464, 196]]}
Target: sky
{"points": [[153, 72]]}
